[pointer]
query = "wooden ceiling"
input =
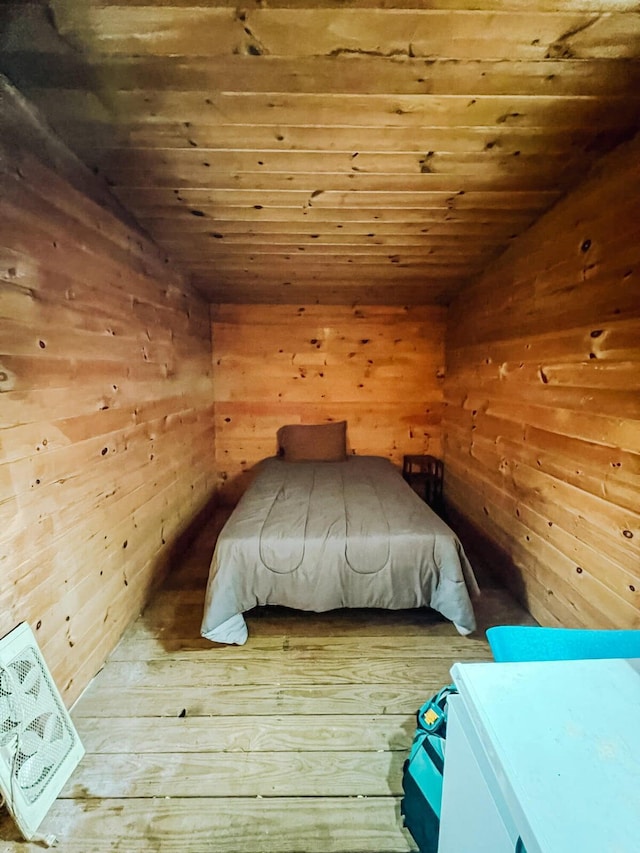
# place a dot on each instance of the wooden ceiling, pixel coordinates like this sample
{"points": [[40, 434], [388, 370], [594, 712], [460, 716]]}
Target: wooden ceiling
{"points": [[364, 150]]}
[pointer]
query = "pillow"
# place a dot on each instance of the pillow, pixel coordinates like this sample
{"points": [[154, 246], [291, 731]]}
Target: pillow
{"points": [[313, 442]]}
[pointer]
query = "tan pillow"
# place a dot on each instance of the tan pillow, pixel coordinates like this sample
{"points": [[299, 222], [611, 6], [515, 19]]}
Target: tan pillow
{"points": [[313, 442]]}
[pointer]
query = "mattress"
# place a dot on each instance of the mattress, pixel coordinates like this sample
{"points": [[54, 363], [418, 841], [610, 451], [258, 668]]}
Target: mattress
{"points": [[326, 535]]}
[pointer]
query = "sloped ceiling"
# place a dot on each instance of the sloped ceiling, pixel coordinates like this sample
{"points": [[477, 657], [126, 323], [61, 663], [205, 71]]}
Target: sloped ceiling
{"points": [[332, 151]]}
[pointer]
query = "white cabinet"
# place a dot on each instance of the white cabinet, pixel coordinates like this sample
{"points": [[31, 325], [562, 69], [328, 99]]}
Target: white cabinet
{"points": [[548, 753]]}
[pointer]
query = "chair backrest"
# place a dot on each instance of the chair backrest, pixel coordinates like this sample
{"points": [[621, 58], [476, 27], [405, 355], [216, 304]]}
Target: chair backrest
{"points": [[511, 643]]}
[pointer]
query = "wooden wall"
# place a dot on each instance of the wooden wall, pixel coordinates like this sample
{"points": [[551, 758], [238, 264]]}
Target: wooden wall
{"points": [[106, 427], [543, 406], [380, 368]]}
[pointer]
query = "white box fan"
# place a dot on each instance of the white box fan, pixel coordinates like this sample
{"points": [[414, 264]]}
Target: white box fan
{"points": [[39, 746]]}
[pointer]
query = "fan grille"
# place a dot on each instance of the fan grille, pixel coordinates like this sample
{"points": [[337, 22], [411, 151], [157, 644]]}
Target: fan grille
{"points": [[33, 724]]}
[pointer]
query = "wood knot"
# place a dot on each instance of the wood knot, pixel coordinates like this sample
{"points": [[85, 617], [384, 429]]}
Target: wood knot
{"points": [[7, 380]]}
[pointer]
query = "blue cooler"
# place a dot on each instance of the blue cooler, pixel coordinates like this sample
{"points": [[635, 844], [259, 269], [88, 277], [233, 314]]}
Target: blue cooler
{"points": [[515, 643]]}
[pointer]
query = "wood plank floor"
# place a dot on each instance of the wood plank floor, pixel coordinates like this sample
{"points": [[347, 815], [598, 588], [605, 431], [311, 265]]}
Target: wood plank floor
{"points": [[293, 743]]}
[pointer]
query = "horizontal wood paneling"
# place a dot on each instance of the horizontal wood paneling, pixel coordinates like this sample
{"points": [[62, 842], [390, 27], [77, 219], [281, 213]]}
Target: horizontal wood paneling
{"points": [[295, 112], [380, 368], [543, 411], [478, 34], [358, 73], [106, 415]]}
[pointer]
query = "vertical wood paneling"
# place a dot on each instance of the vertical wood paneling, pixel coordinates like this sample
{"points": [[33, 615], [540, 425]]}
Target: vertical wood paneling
{"points": [[106, 416], [543, 410], [380, 368]]}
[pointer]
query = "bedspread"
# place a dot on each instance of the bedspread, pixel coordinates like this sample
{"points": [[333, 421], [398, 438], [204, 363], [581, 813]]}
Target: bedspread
{"points": [[327, 535]]}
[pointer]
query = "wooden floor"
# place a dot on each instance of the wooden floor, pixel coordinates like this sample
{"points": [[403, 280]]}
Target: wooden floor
{"points": [[294, 742]]}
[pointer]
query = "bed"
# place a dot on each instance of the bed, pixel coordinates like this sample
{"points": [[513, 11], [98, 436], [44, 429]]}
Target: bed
{"points": [[323, 535]]}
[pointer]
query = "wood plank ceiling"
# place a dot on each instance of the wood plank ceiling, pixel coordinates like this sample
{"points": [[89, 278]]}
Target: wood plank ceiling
{"points": [[332, 151]]}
